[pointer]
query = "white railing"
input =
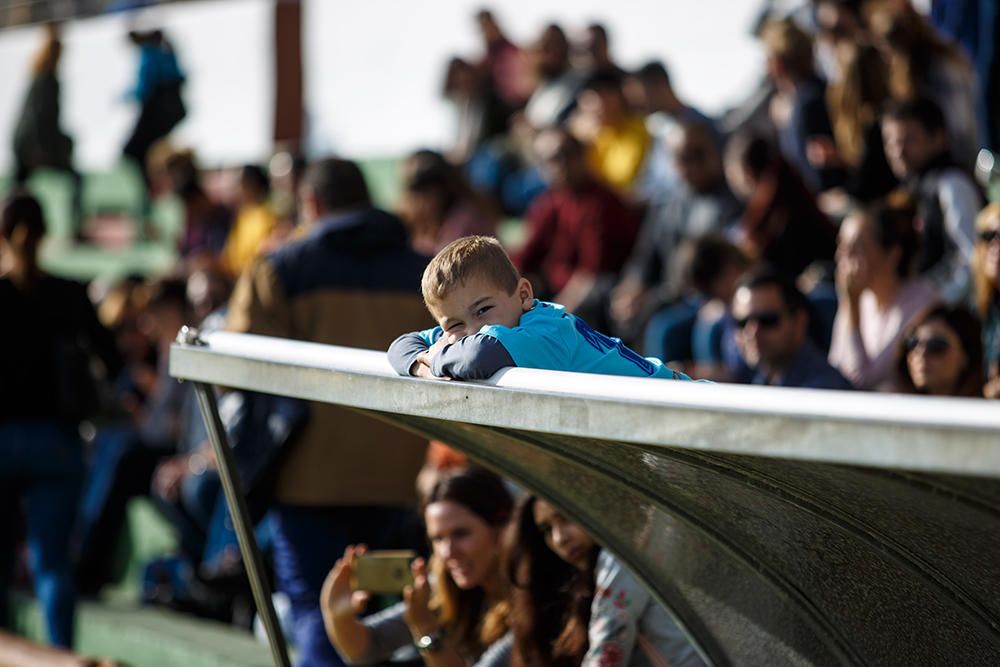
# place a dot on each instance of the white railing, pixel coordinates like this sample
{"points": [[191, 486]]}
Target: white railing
{"points": [[715, 495]]}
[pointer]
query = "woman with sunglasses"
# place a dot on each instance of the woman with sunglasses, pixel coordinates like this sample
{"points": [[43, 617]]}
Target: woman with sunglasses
{"points": [[573, 603], [878, 295], [941, 354], [986, 279], [456, 611]]}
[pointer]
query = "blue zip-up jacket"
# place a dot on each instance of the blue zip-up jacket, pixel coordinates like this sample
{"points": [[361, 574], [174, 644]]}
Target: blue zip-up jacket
{"points": [[547, 337]]}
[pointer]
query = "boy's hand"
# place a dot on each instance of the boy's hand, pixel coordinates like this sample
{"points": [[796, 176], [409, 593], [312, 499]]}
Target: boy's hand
{"points": [[422, 366]]}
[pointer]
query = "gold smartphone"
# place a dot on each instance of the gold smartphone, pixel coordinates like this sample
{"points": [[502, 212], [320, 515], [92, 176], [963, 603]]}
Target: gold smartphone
{"points": [[383, 572]]}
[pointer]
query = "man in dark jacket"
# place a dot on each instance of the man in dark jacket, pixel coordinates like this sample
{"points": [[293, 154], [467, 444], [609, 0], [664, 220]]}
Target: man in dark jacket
{"points": [[351, 280]]}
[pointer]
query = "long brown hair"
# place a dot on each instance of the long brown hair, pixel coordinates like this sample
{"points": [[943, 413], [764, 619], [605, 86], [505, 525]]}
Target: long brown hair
{"points": [[969, 332], [857, 98], [915, 47], [550, 598], [467, 615], [985, 292]]}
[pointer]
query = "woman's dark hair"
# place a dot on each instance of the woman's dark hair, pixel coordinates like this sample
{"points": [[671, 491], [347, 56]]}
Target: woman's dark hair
{"points": [[256, 178], [783, 224], [21, 209], [464, 613], [966, 326], [428, 171], [550, 598], [892, 220], [456, 66]]}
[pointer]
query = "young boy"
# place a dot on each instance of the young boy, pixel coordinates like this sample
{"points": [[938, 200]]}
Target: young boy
{"points": [[489, 319]]}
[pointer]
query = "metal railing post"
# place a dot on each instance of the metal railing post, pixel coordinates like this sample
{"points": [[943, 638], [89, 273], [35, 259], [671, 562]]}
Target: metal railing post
{"points": [[252, 560]]}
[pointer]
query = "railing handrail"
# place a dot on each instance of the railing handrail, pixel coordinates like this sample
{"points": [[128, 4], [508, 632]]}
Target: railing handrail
{"points": [[959, 436]]}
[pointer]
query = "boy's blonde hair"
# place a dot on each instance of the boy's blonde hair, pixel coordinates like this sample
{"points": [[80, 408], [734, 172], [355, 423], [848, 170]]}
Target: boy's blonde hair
{"points": [[460, 260]]}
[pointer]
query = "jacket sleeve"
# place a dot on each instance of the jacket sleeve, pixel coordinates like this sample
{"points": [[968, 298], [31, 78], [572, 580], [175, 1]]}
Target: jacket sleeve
{"points": [[618, 605], [258, 304], [404, 351], [474, 357]]}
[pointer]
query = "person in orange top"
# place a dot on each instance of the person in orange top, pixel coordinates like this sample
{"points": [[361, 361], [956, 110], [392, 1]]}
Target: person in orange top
{"points": [[255, 221], [618, 141]]}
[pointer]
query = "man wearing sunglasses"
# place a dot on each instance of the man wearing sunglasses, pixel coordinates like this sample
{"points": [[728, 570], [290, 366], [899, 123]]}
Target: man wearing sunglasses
{"points": [[772, 324]]}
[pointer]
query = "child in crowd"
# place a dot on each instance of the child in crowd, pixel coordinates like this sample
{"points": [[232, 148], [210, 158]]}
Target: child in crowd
{"points": [[489, 319]]}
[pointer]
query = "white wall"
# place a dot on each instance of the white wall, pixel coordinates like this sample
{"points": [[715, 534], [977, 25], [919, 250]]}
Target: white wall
{"points": [[223, 46], [373, 68]]}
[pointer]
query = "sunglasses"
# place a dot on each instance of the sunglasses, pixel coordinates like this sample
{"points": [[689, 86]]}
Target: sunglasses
{"points": [[933, 345], [989, 235], [767, 319]]}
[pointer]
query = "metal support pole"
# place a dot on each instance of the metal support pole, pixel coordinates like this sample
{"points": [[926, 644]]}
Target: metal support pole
{"points": [[238, 511]]}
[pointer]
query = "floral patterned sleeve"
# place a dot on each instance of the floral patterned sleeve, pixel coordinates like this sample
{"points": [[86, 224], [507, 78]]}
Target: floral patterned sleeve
{"points": [[619, 602]]}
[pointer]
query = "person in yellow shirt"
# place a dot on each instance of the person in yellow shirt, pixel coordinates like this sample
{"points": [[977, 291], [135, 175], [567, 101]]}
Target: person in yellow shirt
{"points": [[618, 141], [255, 221]]}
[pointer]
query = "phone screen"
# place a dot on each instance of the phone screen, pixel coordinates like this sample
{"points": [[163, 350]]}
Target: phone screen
{"points": [[385, 572]]}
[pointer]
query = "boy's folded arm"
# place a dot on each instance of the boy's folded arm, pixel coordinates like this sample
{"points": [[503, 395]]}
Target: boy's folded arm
{"points": [[404, 351], [474, 357]]}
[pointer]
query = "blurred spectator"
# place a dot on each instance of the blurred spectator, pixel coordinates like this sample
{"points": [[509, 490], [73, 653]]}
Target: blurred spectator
{"points": [[856, 100], [50, 337], [503, 62], [255, 221], [206, 222], [916, 143], [650, 91], [351, 279], [782, 225], [617, 141], [558, 83], [986, 279], [39, 140], [482, 115], [923, 64], [439, 206], [120, 311], [941, 354], [158, 91], [574, 604], [772, 320], [798, 107], [838, 25], [459, 603], [581, 231], [973, 25], [593, 52], [879, 295], [125, 458], [701, 203]]}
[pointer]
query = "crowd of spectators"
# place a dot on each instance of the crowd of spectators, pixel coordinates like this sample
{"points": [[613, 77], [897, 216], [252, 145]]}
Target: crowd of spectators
{"points": [[829, 234]]}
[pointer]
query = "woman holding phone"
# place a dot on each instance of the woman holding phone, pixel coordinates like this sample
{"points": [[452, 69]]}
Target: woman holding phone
{"points": [[573, 603], [456, 611]]}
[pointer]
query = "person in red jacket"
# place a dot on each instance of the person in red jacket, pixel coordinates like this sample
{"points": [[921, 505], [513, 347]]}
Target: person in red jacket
{"points": [[580, 231]]}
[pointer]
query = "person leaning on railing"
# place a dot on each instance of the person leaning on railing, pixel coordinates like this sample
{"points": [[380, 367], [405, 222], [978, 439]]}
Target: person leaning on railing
{"points": [[456, 613]]}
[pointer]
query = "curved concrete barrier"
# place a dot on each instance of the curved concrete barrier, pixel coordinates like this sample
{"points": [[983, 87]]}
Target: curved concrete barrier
{"points": [[779, 526]]}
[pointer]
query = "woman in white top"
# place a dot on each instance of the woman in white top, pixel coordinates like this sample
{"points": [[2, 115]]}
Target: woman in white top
{"points": [[877, 292], [574, 604]]}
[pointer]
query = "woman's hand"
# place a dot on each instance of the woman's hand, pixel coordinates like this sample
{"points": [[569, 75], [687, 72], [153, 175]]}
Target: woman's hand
{"points": [[418, 615], [852, 278], [337, 600]]}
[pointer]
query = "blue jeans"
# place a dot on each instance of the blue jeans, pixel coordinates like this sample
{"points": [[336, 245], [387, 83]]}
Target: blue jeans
{"points": [[307, 542], [41, 462]]}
